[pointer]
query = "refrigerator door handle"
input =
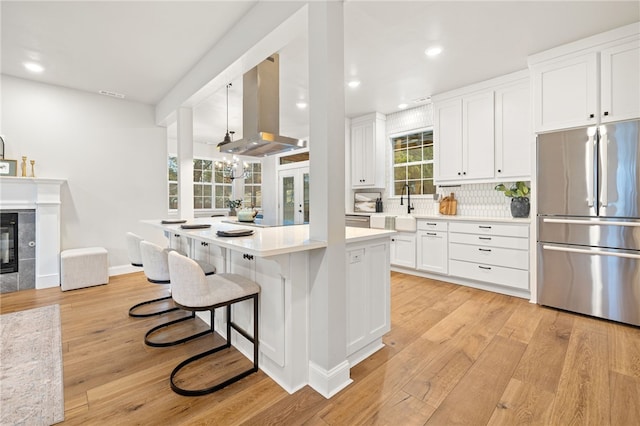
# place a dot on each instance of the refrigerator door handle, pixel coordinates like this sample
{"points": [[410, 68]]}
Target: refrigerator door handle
{"points": [[590, 223], [604, 154], [591, 252], [590, 167]]}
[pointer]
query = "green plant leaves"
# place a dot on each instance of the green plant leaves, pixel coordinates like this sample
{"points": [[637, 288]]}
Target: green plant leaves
{"points": [[517, 190]]}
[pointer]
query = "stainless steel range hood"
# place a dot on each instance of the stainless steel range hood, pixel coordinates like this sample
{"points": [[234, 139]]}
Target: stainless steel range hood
{"points": [[261, 114]]}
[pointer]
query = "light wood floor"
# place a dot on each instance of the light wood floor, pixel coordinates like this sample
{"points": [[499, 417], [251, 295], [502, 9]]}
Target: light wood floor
{"points": [[454, 355]]}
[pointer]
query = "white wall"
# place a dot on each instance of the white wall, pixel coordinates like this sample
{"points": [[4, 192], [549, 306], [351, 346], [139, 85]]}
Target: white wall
{"points": [[110, 151]]}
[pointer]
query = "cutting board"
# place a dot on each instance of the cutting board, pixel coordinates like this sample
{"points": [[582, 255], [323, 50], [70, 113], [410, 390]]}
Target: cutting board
{"points": [[449, 205]]}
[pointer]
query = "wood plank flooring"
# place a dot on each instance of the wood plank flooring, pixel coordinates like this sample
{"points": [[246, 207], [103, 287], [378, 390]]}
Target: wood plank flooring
{"points": [[455, 355]]}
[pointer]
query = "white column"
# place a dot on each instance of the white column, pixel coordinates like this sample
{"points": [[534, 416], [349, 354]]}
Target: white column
{"points": [[185, 162], [328, 366]]}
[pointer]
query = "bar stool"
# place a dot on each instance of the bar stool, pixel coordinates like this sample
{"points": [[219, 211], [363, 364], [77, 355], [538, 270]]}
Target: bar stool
{"points": [[156, 268], [194, 291], [135, 257]]}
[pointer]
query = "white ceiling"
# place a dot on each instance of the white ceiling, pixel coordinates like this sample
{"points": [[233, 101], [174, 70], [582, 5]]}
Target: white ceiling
{"points": [[143, 48]]}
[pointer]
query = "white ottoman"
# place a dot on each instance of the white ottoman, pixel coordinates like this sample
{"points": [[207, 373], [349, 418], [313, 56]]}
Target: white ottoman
{"points": [[84, 267]]}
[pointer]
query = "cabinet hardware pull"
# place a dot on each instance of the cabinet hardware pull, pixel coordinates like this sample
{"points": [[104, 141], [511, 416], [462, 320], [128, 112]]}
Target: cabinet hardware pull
{"points": [[591, 115], [484, 267], [484, 227], [176, 235], [247, 256], [431, 233], [484, 238], [481, 249], [464, 173], [606, 113], [499, 170], [431, 224]]}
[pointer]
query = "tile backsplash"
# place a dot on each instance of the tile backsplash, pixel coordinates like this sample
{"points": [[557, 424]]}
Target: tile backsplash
{"points": [[479, 200]]}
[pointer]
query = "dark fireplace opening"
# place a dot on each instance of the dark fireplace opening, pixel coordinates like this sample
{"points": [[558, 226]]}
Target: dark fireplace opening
{"points": [[9, 242]]}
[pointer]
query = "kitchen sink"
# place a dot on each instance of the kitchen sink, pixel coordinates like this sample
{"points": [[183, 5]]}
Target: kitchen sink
{"points": [[406, 223]]}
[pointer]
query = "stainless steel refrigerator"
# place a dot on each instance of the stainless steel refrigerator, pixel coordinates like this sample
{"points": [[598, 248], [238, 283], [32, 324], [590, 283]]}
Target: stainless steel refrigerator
{"points": [[589, 221]]}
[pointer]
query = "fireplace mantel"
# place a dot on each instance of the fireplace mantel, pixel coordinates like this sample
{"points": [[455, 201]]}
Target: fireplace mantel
{"points": [[42, 195]]}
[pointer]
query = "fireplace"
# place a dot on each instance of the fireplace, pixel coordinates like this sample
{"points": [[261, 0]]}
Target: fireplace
{"points": [[8, 242]]}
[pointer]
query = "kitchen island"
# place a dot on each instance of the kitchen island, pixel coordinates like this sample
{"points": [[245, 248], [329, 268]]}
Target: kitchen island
{"points": [[277, 258]]}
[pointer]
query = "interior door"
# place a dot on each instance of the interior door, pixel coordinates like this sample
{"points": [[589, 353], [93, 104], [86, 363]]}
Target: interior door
{"points": [[293, 196]]}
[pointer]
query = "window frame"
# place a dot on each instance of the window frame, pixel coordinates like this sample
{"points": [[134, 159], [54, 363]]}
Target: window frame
{"points": [[392, 164]]}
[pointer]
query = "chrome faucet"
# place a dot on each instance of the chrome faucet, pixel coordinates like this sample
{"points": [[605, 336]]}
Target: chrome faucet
{"points": [[409, 206]]}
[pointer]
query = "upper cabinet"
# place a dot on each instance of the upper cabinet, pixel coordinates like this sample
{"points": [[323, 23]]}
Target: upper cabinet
{"points": [[591, 81], [367, 151], [482, 132]]}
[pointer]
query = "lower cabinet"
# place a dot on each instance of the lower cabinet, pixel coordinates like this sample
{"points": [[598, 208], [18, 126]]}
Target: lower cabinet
{"points": [[490, 252], [368, 294], [267, 274], [403, 249], [432, 246]]}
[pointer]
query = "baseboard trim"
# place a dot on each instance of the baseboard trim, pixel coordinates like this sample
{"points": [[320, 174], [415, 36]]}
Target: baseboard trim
{"points": [[329, 382], [123, 269]]}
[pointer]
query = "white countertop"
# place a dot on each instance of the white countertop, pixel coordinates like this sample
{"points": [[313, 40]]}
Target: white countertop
{"points": [[265, 241]]}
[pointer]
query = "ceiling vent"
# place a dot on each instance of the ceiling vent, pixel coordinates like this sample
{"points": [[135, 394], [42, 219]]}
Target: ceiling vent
{"points": [[112, 94]]}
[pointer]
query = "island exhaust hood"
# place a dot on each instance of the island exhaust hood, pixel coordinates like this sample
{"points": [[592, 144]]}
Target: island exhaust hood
{"points": [[261, 114]]}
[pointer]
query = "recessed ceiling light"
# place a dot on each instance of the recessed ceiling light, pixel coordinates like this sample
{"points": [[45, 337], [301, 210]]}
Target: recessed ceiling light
{"points": [[301, 105], [33, 67], [354, 83], [433, 51], [402, 106]]}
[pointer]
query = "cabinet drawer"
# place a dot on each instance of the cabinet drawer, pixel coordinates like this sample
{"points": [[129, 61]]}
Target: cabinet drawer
{"points": [[490, 241], [516, 278], [509, 258], [486, 228], [431, 225]]}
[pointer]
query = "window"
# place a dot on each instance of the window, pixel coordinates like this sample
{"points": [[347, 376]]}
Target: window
{"points": [[253, 187], [206, 183], [413, 163], [173, 183]]}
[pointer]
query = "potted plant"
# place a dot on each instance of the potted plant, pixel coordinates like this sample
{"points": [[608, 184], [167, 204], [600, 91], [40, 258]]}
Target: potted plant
{"points": [[519, 193], [233, 205]]}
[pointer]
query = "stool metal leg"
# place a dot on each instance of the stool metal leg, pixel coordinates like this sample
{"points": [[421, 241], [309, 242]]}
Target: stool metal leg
{"points": [[151, 314], [149, 342], [254, 340]]}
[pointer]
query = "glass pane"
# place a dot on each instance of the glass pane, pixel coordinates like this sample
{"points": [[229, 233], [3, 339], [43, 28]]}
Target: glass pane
{"points": [[306, 198], [397, 187], [197, 164], [398, 143], [206, 176], [173, 189], [414, 140], [400, 173], [197, 203], [288, 200], [414, 154], [206, 165], [173, 203], [427, 152], [257, 167], [414, 172], [197, 190], [173, 168], [416, 186], [219, 191], [220, 204], [206, 202], [428, 187], [400, 156], [206, 190], [427, 170], [227, 191], [257, 177], [219, 178], [257, 202], [427, 137]]}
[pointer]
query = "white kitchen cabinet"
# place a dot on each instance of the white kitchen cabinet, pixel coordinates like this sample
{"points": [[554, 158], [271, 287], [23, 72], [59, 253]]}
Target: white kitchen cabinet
{"points": [[464, 135], [432, 246], [620, 82], [587, 82], [368, 294], [513, 132], [272, 329], [367, 151], [490, 252], [403, 249]]}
